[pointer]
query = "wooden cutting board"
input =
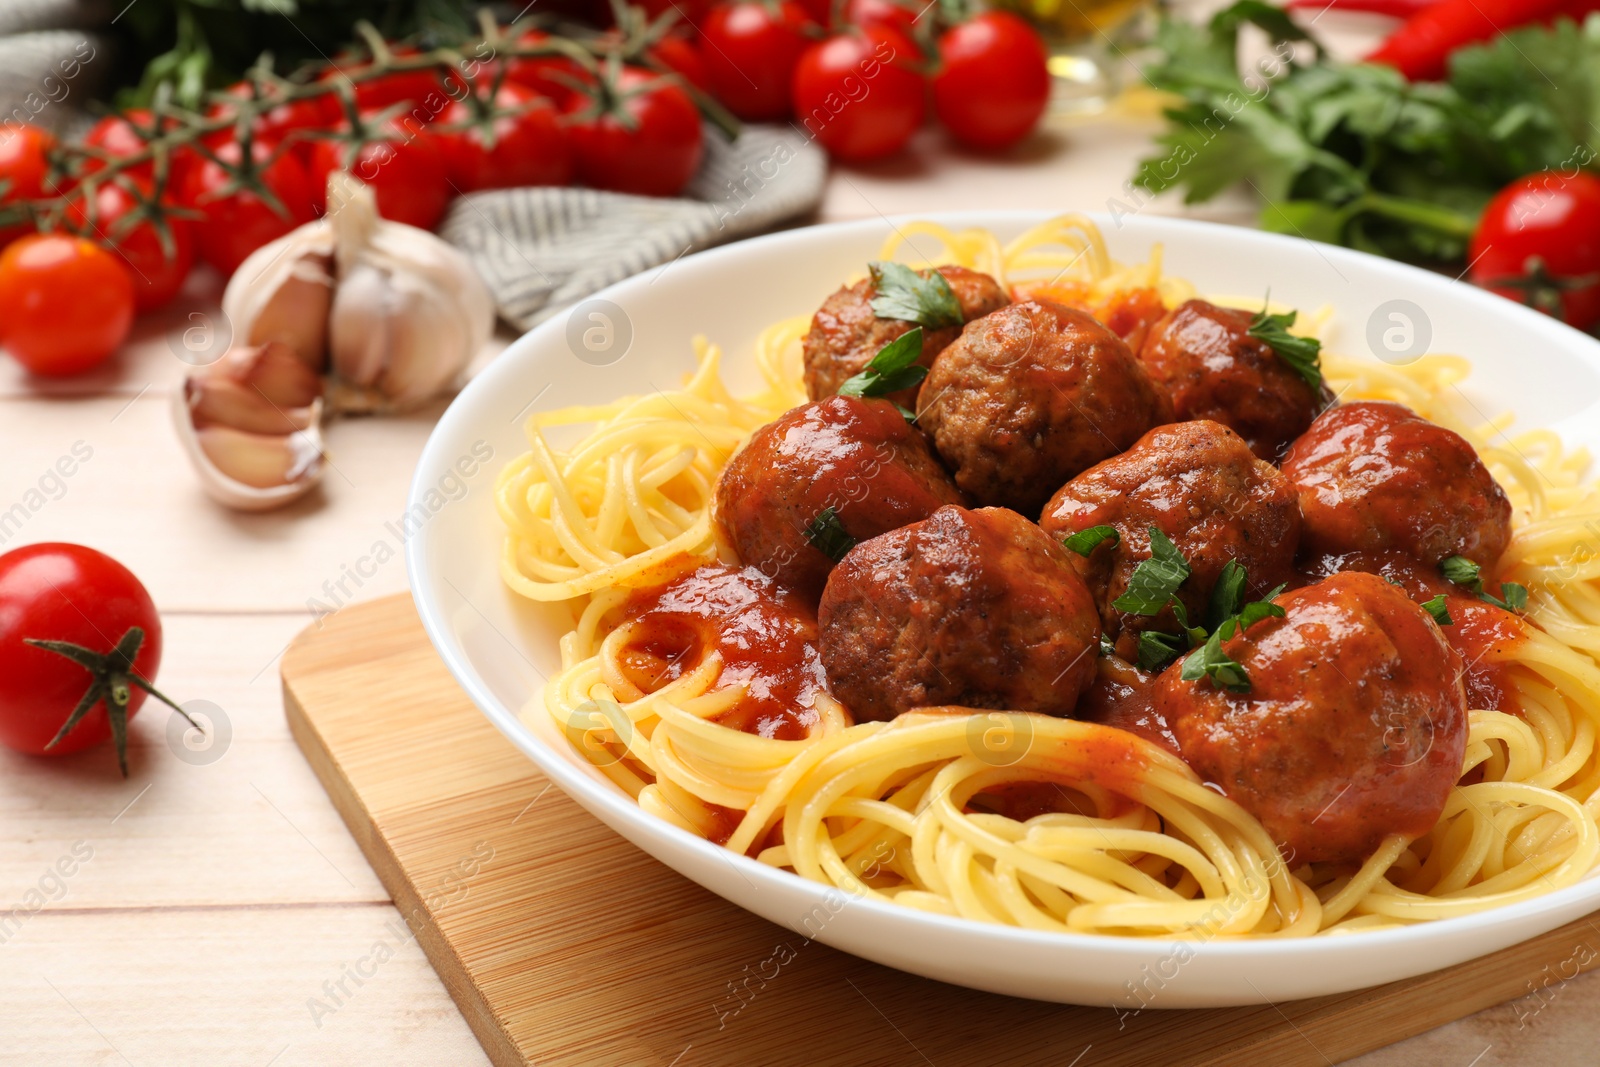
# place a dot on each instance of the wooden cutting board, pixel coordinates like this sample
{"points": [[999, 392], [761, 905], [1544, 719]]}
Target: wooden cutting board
{"points": [[563, 944]]}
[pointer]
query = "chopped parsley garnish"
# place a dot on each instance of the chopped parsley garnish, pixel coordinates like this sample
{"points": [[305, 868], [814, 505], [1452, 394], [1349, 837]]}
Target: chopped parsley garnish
{"points": [[827, 535], [1303, 354], [894, 368], [1157, 650], [906, 295], [1084, 542], [1439, 610], [1463, 572], [1154, 586], [1155, 580]]}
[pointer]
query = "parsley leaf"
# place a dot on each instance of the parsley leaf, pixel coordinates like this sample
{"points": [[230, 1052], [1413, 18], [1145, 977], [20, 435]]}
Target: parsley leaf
{"points": [[1209, 661], [894, 368], [1463, 572], [1352, 153], [1157, 650], [1439, 610], [1084, 542], [1227, 596], [827, 535], [910, 296], [1155, 580], [1303, 354]]}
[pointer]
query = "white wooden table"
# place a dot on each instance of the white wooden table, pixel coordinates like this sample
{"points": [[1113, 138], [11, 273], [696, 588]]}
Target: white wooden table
{"points": [[219, 900]]}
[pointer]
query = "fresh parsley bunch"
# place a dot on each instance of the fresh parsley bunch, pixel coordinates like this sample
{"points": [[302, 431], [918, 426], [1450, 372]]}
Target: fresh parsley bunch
{"points": [[1352, 153]]}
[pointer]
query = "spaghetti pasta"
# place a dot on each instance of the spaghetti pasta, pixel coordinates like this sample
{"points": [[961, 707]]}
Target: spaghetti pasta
{"points": [[1144, 847]]}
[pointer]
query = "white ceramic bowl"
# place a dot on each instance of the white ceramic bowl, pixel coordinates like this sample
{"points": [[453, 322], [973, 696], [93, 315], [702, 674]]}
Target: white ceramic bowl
{"points": [[500, 647]]}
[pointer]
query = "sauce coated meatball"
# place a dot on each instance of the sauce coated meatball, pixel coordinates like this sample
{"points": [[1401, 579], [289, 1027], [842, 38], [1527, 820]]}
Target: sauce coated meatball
{"points": [[1031, 395], [1198, 483], [976, 608], [857, 456], [1375, 477], [1354, 726], [845, 333], [1206, 360]]}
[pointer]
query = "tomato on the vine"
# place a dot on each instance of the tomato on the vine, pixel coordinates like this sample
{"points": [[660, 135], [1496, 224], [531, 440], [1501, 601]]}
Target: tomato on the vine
{"points": [[554, 76], [421, 90], [402, 163], [870, 125], [156, 275], [523, 143], [66, 304], [280, 119], [74, 625], [993, 84], [891, 13], [678, 53], [238, 219], [751, 50], [639, 133], [1538, 242], [24, 166], [120, 136]]}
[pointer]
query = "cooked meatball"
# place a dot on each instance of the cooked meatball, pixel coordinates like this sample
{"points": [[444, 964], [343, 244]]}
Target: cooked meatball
{"points": [[1354, 726], [1374, 476], [1198, 483], [976, 608], [1029, 396], [846, 334], [1206, 360], [854, 455]]}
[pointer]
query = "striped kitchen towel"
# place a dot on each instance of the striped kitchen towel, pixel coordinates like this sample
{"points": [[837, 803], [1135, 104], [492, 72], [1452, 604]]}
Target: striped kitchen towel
{"points": [[543, 249], [49, 64]]}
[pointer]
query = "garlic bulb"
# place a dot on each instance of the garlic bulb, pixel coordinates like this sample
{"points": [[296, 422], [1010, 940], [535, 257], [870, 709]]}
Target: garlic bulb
{"points": [[409, 312], [393, 312], [251, 424], [389, 313]]}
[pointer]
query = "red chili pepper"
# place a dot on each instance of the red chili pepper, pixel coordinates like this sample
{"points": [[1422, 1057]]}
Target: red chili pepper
{"points": [[1576, 10], [1400, 9], [1421, 48]]}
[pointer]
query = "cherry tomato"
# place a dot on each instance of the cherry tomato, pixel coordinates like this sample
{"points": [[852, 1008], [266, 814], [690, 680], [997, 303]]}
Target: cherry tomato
{"points": [[1538, 242], [421, 89], [857, 97], [281, 120], [992, 85], [119, 136], [679, 54], [24, 166], [156, 276], [523, 144], [897, 16], [652, 149], [550, 76], [61, 592], [750, 52], [403, 165], [65, 303], [239, 221]]}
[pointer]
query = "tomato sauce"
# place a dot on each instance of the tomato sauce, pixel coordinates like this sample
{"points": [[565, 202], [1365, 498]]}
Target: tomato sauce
{"points": [[1484, 636], [766, 636]]}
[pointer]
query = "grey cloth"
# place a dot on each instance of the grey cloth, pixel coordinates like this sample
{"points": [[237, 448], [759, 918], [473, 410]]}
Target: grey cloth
{"points": [[541, 250], [49, 64]]}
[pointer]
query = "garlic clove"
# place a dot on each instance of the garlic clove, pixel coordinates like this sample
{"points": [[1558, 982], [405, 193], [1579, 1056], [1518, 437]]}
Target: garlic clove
{"points": [[261, 461], [274, 371], [246, 469], [284, 291], [218, 401], [364, 308]]}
